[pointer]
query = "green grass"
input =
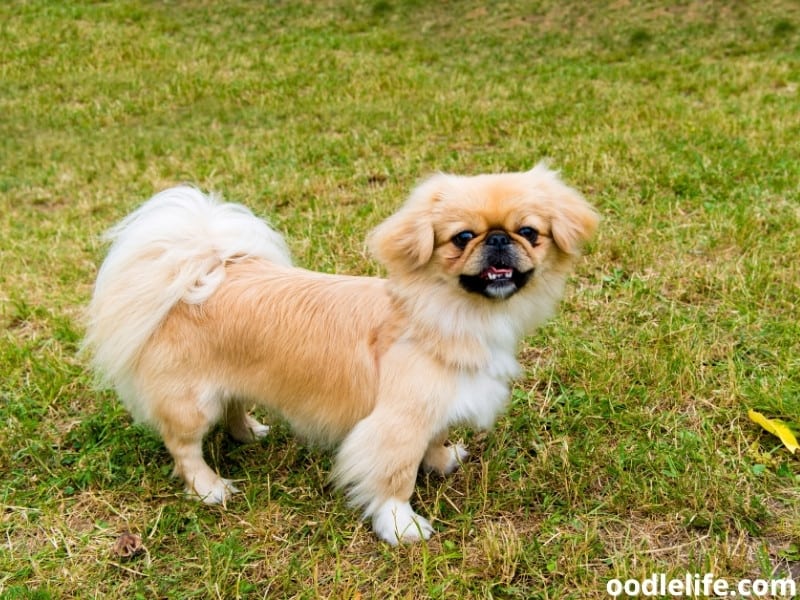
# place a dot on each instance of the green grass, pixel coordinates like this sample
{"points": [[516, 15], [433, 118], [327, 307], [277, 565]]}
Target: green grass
{"points": [[627, 449]]}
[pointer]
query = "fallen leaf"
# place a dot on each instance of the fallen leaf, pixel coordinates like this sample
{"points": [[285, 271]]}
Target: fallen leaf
{"points": [[775, 427], [127, 545]]}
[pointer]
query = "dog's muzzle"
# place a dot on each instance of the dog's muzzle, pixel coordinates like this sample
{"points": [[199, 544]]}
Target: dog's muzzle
{"points": [[499, 277]]}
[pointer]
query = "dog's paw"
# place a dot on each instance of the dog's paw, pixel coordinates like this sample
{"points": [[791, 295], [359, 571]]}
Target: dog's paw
{"points": [[446, 459], [458, 454], [248, 430], [258, 431], [216, 491], [396, 522]]}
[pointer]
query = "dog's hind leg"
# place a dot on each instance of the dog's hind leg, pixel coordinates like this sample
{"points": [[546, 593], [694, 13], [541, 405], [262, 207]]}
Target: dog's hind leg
{"points": [[241, 426], [183, 422]]}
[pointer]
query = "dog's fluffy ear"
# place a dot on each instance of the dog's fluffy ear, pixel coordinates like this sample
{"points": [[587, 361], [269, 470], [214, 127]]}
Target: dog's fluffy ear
{"points": [[574, 221], [404, 242]]}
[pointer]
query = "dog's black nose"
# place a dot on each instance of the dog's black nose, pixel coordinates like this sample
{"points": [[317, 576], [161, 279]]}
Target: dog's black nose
{"points": [[498, 238]]}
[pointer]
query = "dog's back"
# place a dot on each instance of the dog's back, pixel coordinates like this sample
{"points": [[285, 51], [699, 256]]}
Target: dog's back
{"points": [[284, 338]]}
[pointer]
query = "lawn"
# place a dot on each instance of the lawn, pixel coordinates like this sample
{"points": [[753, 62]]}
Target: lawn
{"points": [[626, 450]]}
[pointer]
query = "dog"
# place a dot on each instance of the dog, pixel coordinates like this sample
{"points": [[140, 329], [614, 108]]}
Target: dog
{"points": [[198, 314]]}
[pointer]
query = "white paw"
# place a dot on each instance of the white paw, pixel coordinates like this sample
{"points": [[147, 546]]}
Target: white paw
{"points": [[453, 457], [248, 430], [216, 491], [259, 431], [395, 522], [458, 454]]}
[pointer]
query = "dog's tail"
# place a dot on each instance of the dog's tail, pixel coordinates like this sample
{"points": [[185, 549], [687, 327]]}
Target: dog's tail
{"points": [[172, 249]]}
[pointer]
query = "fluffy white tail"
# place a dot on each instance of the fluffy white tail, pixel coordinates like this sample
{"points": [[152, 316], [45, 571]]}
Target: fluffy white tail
{"points": [[172, 249]]}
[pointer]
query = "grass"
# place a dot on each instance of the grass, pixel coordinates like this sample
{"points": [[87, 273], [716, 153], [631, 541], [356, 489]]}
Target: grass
{"points": [[626, 451]]}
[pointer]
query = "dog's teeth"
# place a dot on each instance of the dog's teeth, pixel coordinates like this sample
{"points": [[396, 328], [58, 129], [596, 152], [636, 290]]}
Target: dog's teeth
{"points": [[496, 276]]}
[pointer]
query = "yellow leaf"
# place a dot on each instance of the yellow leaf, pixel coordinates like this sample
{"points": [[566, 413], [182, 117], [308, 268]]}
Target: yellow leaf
{"points": [[775, 427]]}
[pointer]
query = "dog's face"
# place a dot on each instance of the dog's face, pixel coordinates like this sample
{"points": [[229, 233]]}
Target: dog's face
{"points": [[489, 235], [492, 246]]}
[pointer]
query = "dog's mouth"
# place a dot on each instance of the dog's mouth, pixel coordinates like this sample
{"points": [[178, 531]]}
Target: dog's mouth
{"points": [[496, 281]]}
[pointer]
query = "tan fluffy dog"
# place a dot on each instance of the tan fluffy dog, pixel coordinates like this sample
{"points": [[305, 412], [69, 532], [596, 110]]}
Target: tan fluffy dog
{"points": [[198, 313]]}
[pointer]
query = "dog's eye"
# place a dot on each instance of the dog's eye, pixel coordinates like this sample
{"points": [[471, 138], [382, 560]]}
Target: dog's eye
{"points": [[462, 239], [529, 233]]}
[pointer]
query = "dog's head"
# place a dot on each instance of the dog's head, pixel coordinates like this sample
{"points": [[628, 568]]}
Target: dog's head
{"points": [[490, 235]]}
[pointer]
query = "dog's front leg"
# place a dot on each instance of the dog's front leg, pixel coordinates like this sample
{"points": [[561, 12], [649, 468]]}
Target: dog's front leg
{"points": [[378, 463], [441, 458], [380, 457]]}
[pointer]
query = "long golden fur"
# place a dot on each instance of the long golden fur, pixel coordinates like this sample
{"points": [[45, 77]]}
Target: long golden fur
{"points": [[198, 314]]}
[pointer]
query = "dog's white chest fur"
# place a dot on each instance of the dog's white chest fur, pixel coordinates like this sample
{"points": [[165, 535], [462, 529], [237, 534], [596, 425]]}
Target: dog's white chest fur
{"points": [[482, 395]]}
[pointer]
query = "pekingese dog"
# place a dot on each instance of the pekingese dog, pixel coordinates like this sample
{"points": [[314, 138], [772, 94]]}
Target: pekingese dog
{"points": [[198, 314]]}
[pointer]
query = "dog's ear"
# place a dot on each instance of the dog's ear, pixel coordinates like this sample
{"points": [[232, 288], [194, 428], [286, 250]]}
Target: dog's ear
{"points": [[573, 220], [404, 242], [574, 223]]}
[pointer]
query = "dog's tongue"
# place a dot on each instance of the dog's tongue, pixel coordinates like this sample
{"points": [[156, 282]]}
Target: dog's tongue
{"points": [[493, 273]]}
